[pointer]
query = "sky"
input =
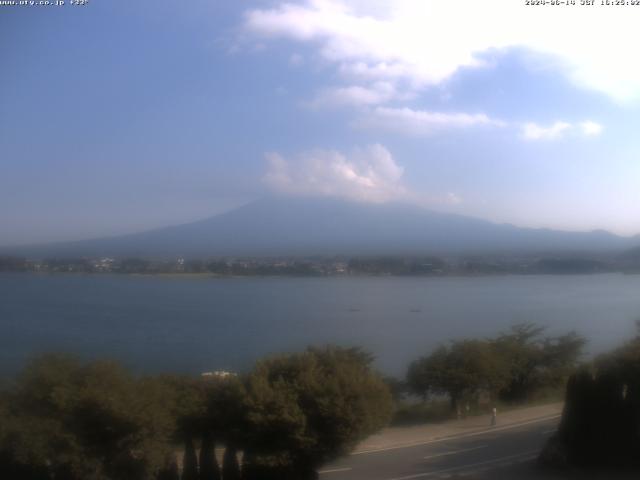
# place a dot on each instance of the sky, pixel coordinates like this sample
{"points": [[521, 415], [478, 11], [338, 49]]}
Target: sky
{"points": [[118, 116]]}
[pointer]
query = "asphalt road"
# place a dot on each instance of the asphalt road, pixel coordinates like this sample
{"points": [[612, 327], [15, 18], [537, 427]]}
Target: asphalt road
{"points": [[494, 453]]}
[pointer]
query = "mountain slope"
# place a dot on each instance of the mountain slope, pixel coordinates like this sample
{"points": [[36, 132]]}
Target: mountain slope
{"points": [[291, 226]]}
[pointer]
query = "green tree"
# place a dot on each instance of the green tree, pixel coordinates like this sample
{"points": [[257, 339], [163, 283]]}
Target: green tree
{"points": [[424, 376], [86, 421], [225, 420], [225, 409], [536, 361], [187, 402], [305, 409], [209, 468], [230, 464], [170, 470], [189, 460], [600, 424], [461, 370]]}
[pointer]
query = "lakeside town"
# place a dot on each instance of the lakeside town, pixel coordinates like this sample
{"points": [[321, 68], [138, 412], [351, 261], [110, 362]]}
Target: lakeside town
{"points": [[335, 266]]}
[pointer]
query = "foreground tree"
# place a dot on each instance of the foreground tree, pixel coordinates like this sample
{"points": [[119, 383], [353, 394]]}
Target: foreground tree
{"points": [[305, 409], [69, 420], [170, 470], [209, 468], [225, 421], [513, 366], [189, 460], [461, 370], [230, 464], [187, 403], [536, 361], [600, 424], [84, 421]]}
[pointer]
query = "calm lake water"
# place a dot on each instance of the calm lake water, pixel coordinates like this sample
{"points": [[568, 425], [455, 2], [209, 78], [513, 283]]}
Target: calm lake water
{"points": [[189, 324]]}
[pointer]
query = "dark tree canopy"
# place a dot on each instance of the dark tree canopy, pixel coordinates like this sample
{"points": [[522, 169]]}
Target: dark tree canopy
{"points": [[600, 425], [72, 420], [225, 409], [86, 421], [536, 361], [230, 463], [305, 409], [190, 460], [207, 461], [461, 370], [512, 366]]}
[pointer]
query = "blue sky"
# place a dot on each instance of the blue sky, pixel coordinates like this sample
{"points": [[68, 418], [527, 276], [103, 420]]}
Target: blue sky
{"points": [[122, 116]]}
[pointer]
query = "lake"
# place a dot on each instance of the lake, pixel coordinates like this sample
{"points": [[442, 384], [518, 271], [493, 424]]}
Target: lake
{"points": [[196, 324]]}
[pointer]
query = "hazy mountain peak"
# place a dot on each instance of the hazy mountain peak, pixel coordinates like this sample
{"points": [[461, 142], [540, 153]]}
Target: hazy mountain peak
{"points": [[329, 226]]}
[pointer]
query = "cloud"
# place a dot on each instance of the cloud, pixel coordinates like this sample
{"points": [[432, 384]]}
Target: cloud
{"points": [[366, 174], [557, 130], [422, 43], [533, 131], [590, 128], [421, 122], [354, 95]]}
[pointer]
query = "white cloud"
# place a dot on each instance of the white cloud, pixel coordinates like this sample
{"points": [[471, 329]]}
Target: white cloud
{"points": [[557, 130], [366, 174], [420, 122], [354, 95], [422, 43], [533, 131], [591, 129]]}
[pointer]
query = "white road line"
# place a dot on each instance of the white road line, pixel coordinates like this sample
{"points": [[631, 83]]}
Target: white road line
{"points": [[455, 437], [471, 465], [547, 432], [454, 452], [334, 470]]}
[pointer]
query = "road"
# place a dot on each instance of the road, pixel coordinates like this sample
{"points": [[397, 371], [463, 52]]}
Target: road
{"points": [[498, 452]]}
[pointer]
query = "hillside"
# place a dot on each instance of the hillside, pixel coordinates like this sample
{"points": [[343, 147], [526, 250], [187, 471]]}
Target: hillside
{"points": [[286, 226]]}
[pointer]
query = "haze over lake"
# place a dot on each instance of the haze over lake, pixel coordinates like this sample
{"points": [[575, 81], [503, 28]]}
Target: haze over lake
{"points": [[195, 324]]}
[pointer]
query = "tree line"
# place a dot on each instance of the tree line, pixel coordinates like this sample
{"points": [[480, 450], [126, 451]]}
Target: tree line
{"points": [[319, 266], [64, 419], [512, 367]]}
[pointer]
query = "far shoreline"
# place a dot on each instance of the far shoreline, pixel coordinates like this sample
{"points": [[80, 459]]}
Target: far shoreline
{"points": [[214, 276]]}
